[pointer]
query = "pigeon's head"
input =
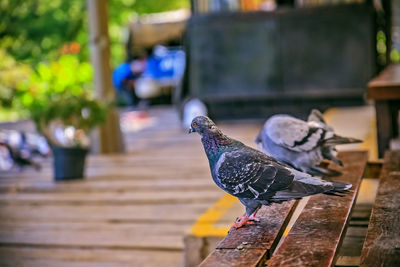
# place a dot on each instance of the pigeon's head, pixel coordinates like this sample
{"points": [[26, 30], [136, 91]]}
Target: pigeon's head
{"points": [[202, 124]]}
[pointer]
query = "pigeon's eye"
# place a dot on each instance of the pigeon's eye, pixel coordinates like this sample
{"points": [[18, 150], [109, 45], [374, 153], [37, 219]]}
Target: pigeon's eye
{"points": [[194, 124]]}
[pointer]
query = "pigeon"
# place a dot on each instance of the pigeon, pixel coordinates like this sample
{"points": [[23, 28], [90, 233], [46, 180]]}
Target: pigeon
{"points": [[300, 144], [253, 177], [20, 157]]}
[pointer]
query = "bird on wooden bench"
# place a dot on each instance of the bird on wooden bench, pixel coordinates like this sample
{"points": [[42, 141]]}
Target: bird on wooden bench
{"points": [[252, 176], [302, 145]]}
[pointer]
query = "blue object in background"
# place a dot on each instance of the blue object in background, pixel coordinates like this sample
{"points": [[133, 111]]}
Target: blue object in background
{"points": [[123, 71], [166, 64]]}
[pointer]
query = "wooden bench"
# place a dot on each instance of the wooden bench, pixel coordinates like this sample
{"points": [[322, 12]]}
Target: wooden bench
{"points": [[385, 91], [318, 232], [382, 243]]}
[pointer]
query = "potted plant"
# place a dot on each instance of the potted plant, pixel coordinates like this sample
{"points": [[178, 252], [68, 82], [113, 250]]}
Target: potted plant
{"points": [[60, 101]]}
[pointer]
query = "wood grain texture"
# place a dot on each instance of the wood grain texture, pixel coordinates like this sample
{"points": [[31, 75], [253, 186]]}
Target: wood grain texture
{"points": [[386, 85], [266, 233], [382, 243], [12, 256], [234, 258], [257, 241], [317, 233], [150, 213], [159, 236]]}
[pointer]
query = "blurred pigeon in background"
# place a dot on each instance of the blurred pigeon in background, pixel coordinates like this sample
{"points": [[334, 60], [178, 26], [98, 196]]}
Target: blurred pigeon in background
{"points": [[193, 108], [252, 176], [19, 149], [301, 144]]}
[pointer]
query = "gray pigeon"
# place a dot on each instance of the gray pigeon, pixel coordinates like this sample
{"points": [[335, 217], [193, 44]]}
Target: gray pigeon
{"points": [[252, 176], [301, 144]]}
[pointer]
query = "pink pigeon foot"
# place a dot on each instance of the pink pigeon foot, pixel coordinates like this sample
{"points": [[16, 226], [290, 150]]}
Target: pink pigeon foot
{"points": [[241, 221], [253, 217]]}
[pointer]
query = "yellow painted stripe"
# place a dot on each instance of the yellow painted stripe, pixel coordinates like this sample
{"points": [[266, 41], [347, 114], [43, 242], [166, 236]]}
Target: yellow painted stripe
{"points": [[287, 230], [329, 114], [371, 142], [204, 225]]}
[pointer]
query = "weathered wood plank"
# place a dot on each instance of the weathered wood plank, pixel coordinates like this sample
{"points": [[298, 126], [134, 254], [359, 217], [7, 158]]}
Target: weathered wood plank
{"points": [[317, 233], [258, 241], [109, 213], [36, 256], [266, 233], [120, 185], [234, 258], [159, 235], [385, 85], [112, 198], [108, 174], [382, 243]]}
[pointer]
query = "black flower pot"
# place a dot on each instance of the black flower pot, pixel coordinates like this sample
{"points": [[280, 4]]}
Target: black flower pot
{"points": [[69, 163]]}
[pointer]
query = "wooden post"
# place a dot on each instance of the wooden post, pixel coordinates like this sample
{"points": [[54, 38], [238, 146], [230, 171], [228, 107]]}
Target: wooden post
{"points": [[109, 135]]}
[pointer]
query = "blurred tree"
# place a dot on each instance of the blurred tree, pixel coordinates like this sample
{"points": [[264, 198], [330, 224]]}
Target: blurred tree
{"points": [[32, 30], [36, 30], [11, 74]]}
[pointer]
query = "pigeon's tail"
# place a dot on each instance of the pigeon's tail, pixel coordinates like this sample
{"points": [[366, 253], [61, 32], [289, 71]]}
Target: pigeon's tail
{"points": [[306, 185], [299, 189], [340, 187], [327, 186], [340, 140]]}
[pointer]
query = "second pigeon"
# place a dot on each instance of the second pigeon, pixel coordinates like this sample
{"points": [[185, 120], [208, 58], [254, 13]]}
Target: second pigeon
{"points": [[301, 144]]}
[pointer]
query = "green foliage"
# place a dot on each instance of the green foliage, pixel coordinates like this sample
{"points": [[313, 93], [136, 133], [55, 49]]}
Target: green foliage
{"points": [[82, 112], [395, 55], [36, 30], [62, 90], [11, 73]]}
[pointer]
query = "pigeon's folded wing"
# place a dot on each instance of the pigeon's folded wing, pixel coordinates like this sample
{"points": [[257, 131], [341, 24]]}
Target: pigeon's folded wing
{"points": [[250, 174], [294, 134]]}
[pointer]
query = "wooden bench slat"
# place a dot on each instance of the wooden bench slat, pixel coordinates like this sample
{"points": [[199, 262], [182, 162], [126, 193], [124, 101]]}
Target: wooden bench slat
{"points": [[382, 243], [262, 235], [318, 231], [234, 258], [246, 244]]}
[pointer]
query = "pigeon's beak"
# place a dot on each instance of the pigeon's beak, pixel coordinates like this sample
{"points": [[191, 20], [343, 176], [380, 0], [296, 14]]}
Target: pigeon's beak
{"points": [[191, 130]]}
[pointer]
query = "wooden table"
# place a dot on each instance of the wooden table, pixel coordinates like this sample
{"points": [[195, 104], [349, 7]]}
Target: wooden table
{"points": [[385, 91]]}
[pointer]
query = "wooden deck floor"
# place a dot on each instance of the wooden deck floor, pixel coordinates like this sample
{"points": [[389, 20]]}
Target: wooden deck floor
{"points": [[131, 210]]}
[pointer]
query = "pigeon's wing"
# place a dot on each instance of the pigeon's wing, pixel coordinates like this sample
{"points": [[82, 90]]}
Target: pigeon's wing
{"points": [[294, 134], [247, 173]]}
